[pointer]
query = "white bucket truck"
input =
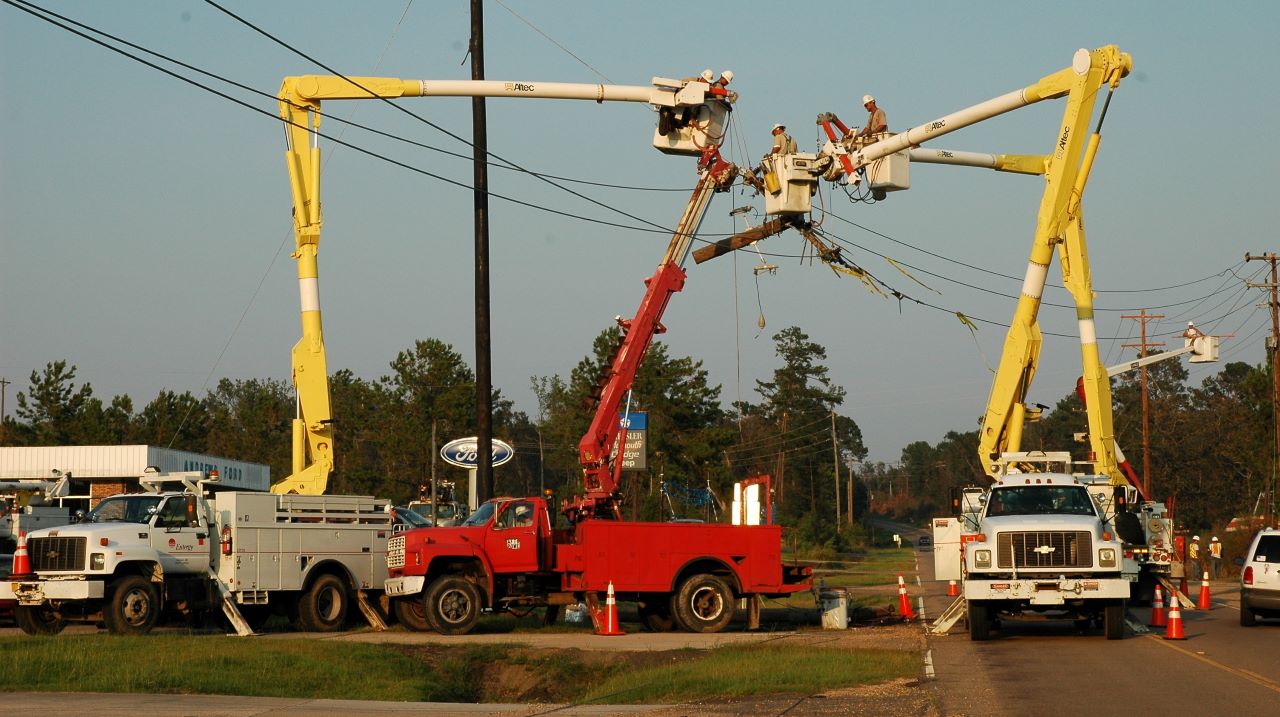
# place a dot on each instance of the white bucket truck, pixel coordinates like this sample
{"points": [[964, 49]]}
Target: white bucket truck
{"points": [[1043, 542], [182, 548]]}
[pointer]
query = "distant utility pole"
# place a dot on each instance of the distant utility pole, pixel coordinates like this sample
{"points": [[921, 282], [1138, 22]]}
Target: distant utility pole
{"points": [[835, 467], [4, 389], [1273, 345], [1144, 317]]}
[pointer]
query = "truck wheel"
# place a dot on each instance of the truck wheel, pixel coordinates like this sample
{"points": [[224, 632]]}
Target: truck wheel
{"points": [[38, 619], [979, 621], [655, 613], [323, 607], [1113, 620], [453, 605], [411, 612], [704, 603], [1247, 616], [133, 607]]}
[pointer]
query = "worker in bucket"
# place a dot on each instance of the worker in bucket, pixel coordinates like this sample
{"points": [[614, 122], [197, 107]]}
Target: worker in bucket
{"points": [[782, 142], [876, 122]]}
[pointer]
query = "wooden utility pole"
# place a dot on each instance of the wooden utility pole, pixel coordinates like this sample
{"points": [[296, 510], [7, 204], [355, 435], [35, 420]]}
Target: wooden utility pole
{"points": [[480, 173], [1144, 317], [849, 493], [835, 467], [4, 389], [782, 459], [1273, 344]]}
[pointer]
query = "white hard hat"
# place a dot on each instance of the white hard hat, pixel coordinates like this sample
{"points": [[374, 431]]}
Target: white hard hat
{"points": [[778, 126], [1214, 538], [1195, 537], [868, 99], [727, 76], [708, 75]]}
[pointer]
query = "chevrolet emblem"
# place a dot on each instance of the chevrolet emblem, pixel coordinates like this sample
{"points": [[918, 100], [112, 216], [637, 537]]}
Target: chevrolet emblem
{"points": [[1045, 549], [52, 555]]}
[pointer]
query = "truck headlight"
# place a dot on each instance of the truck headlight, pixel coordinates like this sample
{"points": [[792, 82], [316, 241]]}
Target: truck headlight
{"points": [[1107, 557], [97, 561], [982, 558]]}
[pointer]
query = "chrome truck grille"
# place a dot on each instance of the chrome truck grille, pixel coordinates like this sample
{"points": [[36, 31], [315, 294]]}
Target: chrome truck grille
{"points": [[56, 554], [1045, 549], [395, 552]]}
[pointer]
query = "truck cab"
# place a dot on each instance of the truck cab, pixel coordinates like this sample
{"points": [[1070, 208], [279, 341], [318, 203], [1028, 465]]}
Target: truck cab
{"points": [[1045, 544]]}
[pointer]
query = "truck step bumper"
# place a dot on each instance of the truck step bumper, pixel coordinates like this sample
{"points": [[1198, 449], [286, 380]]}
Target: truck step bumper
{"points": [[408, 585], [37, 592], [1048, 591]]}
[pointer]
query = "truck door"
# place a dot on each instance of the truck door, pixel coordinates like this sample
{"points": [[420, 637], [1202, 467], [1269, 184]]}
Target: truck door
{"points": [[180, 536], [512, 543]]}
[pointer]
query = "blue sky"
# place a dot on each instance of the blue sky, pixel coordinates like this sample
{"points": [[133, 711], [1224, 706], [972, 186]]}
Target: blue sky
{"points": [[144, 223]]}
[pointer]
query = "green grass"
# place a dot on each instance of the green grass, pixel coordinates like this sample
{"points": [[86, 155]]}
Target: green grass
{"points": [[189, 664], [325, 669], [729, 672]]}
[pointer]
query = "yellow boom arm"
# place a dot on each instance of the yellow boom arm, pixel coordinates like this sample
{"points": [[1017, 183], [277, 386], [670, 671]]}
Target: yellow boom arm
{"points": [[1059, 224]]}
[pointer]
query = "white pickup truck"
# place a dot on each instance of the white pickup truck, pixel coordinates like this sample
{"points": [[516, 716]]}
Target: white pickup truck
{"points": [[1043, 543], [185, 549]]}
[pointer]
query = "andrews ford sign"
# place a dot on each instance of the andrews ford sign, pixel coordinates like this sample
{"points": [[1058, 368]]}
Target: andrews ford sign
{"points": [[462, 452]]}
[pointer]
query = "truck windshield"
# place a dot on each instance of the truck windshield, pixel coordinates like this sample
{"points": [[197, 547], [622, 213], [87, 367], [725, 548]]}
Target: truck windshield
{"points": [[1040, 500], [125, 509], [481, 516]]}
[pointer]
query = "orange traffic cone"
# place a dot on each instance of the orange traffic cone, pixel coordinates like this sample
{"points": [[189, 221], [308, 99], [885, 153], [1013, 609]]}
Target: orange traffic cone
{"points": [[904, 602], [1173, 631], [1205, 603], [1158, 618], [953, 590], [610, 615], [21, 562]]}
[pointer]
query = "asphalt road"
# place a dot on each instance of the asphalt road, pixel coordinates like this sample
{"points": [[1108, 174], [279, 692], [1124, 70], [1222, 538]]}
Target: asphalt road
{"points": [[1045, 668]]}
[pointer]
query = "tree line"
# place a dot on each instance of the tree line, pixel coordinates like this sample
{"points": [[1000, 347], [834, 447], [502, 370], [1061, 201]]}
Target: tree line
{"points": [[1210, 445], [384, 427]]}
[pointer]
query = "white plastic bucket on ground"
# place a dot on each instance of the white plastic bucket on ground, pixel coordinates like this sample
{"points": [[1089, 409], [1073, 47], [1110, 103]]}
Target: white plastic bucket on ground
{"points": [[835, 608]]}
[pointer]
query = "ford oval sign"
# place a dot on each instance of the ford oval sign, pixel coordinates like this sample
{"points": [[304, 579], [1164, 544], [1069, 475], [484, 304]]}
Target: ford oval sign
{"points": [[462, 452]]}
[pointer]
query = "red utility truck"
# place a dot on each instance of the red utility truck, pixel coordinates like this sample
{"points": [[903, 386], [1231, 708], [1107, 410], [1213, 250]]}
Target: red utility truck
{"points": [[508, 557]]}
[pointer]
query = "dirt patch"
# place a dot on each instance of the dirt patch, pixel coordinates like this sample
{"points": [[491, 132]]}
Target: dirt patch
{"points": [[514, 673]]}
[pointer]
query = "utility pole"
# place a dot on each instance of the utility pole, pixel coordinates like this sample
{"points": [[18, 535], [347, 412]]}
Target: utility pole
{"points": [[4, 389], [480, 173], [1144, 317], [1273, 345], [849, 492], [835, 467], [782, 458]]}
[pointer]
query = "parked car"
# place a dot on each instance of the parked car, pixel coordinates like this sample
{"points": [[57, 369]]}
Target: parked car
{"points": [[1260, 578], [924, 542]]}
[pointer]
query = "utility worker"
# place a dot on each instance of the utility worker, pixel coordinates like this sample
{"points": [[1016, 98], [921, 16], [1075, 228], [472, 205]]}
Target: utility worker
{"points": [[876, 122], [782, 142], [1215, 553], [1193, 555]]}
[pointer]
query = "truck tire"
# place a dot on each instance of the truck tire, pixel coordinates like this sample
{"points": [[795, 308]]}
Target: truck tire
{"points": [[1247, 616], [411, 612], [132, 607], [704, 603], [323, 606], [38, 619], [1113, 620], [655, 613], [979, 619], [453, 605]]}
